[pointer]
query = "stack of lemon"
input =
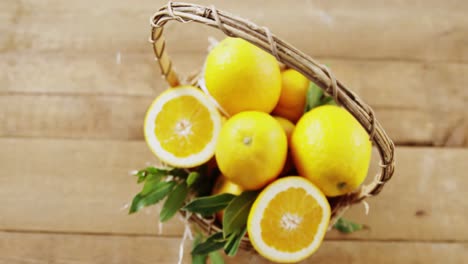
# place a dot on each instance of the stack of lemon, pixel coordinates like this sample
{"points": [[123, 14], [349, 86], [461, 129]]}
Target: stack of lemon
{"points": [[263, 141]]}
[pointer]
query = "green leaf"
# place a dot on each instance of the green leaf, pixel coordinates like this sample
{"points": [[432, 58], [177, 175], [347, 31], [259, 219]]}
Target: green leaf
{"points": [[141, 174], [209, 205], [161, 189], [213, 243], [156, 171], [316, 97], [347, 226], [216, 258], [314, 94], [234, 241], [192, 178], [177, 172], [197, 258], [236, 213], [137, 203], [328, 101], [148, 172], [174, 202], [150, 183]]}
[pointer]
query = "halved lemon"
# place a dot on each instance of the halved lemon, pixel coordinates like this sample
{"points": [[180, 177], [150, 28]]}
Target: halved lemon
{"points": [[288, 220], [182, 126]]}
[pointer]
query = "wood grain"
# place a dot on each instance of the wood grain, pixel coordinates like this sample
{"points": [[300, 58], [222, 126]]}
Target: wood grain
{"points": [[78, 249], [91, 117], [74, 186], [59, 248], [405, 30], [381, 83], [422, 195], [82, 186], [117, 117]]}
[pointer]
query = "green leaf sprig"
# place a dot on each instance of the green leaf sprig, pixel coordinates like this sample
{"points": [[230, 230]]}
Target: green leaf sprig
{"points": [[347, 226], [316, 97], [235, 216], [209, 205], [236, 212], [216, 258], [198, 258], [200, 254], [174, 185], [156, 187], [175, 201]]}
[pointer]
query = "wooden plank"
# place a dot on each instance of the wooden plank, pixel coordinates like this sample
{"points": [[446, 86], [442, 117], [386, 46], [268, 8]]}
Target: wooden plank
{"points": [[74, 186], [81, 186], [59, 248], [380, 83], [118, 74], [454, 132], [409, 30], [56, 248], [90, 117], [117, 117], [388, 253], [422, 195]]}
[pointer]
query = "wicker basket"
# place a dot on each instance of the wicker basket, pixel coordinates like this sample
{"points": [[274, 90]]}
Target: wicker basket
{"points": [[293, 58]]}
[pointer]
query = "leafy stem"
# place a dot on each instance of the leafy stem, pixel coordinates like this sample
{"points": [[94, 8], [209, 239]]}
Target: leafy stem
{"points": [[158, 184], [173, 186], [346, 226]]}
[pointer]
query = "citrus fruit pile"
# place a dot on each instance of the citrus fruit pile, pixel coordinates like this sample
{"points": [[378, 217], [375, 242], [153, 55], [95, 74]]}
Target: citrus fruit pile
{"points": [[278, 151]]}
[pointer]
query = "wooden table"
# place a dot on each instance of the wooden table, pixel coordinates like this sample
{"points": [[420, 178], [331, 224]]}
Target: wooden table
{"points": [[77, 76]]}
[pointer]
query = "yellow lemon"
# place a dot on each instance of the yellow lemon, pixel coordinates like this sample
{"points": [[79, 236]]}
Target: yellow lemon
{"points": [[332, 149], [288, 220], [251, 149], [241, 76], [292, 100], [223, 185], [288, 128], [182, 126]]}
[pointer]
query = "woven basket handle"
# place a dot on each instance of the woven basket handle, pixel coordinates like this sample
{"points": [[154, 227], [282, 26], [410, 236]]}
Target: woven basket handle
{"points": [[285, 53]]}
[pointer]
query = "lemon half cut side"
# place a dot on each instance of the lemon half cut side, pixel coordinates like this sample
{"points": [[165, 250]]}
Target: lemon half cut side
{"points": [[182, 126], [288, 220]]}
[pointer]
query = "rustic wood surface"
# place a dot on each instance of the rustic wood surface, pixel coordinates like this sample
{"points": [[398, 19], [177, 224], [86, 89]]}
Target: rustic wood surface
{"points": [[77, 76]]}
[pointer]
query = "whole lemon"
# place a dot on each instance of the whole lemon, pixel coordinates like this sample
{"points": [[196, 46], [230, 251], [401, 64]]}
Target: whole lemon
{"points": [[293, 95], [241, 76], [287, 126], [223, 185], [251, 149], [331, 149]]}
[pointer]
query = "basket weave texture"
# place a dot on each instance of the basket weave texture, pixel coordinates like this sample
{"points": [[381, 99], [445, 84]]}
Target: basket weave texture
{"points": [[285, 53]]}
